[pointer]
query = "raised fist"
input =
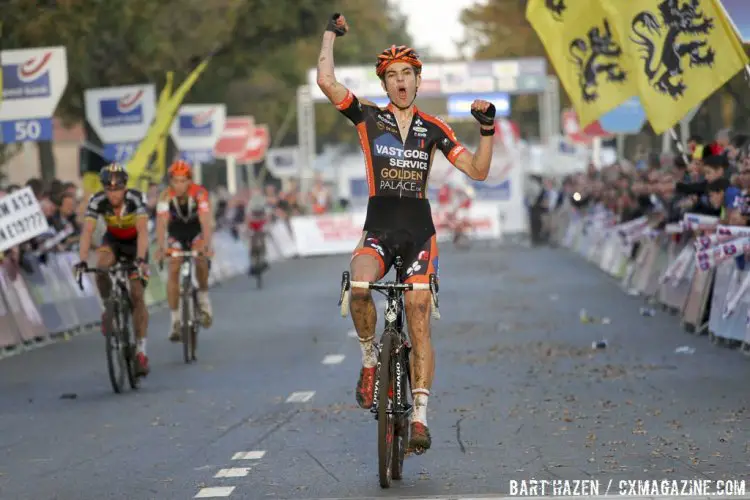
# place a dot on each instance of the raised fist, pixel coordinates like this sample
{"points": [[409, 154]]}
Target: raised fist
{"points": [[337, 24]]}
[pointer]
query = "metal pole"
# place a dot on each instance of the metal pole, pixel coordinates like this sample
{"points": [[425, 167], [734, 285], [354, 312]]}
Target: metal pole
{"points": [[231, 175], [305, 135]]}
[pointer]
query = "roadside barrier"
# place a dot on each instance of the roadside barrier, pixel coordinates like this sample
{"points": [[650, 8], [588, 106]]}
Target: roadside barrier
{"points": [[695, 269], [46, 303]]}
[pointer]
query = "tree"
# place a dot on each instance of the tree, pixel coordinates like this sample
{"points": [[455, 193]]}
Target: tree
{"points": [[499, 30], [267, 48]]}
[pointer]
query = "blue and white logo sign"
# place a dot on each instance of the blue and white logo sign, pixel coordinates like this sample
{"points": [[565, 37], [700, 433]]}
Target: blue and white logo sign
{"points": [[197, 128], [127, 110], [33, 83], [459, 106], [28, 79], [121, 114]]}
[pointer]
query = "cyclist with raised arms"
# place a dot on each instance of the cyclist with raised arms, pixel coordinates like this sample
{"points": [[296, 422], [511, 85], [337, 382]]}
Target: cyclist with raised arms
{"points": [[125, 215], [183, 211], [398, 143]]}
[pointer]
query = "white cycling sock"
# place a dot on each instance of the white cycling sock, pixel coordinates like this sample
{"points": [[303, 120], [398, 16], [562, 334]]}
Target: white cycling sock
{"points": [[369, 353], [141, 346], [175, 316], [420, 405], [203, 300]]}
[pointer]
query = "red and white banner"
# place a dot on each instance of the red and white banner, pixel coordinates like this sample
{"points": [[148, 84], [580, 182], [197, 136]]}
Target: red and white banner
{"points": [[339, 233]]}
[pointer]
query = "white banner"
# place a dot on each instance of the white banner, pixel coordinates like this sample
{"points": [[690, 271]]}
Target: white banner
{"points": [[121, 114], [198, 127], [33, 82], [21, 218], [339, 233]]}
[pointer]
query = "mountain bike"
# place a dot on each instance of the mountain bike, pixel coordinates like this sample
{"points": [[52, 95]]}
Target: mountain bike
{"points": [[391, 405], [189, 323], [120, 335]]}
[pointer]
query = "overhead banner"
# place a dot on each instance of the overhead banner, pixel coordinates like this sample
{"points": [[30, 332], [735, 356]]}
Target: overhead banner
{"points": [[21, 218], [527, 75], [196, 130], [121, 117], [459, 106], [33, 83]]}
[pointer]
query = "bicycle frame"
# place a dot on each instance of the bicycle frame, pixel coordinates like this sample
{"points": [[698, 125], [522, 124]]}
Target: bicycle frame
{"points": [[394, 325]]}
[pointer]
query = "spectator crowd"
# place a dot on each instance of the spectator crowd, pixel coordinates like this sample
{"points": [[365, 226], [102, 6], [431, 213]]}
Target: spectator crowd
{"points": [[710, 178]]}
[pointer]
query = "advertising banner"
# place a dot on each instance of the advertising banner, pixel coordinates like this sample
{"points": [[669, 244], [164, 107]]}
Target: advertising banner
{"points": [[196, 130], [121, 117], [33, 84]]}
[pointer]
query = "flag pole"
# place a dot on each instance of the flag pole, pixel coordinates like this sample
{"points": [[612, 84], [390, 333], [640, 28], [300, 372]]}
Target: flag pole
{"points": [[676, 139]]}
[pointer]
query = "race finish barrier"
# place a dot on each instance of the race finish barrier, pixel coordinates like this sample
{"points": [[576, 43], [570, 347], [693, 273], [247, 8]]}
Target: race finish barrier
{"points": [[696, 268], [47, 303], [339, 233]]}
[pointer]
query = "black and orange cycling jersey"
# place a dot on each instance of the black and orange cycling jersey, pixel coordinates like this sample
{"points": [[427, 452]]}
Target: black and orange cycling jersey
{"points": [[121, 222], [184, 223], [397, 170]]}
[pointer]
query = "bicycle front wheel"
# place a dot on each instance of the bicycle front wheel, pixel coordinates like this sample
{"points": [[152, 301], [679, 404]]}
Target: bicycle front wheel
{"points": [[116, 362], [386, 425]]}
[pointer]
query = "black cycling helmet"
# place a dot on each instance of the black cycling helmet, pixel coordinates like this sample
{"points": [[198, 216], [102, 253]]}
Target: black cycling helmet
{"points": [[113, 176]]}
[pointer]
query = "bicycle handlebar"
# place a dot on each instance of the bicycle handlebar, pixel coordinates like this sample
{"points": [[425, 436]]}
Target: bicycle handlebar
{"points": [[347, 285], [183, 253], [117, 267]]}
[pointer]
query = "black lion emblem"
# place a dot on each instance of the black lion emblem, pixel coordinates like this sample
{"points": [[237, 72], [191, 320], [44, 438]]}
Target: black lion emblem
{"points": [[556, 7], [664, 69], [586, 57]]}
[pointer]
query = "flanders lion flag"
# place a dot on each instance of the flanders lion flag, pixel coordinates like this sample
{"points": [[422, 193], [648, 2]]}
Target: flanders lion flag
{"points": [[585, 52], [680, 52]]}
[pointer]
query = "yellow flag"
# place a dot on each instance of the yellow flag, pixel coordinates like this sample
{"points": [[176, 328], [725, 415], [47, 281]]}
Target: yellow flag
{"points": [[159, 129], [680, 51], [159, 168], [586, 53]]}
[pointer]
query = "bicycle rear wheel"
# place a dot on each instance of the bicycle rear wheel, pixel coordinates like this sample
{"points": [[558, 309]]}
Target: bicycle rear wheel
{"points": [[116, 362], [386, 425], [186, 324]]}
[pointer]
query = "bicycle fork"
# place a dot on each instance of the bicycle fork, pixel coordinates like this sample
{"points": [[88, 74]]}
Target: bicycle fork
{"points": [[397, 403]]}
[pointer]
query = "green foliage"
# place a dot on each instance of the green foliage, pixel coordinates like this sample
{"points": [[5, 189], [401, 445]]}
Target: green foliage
{"points": [[267, 47]]}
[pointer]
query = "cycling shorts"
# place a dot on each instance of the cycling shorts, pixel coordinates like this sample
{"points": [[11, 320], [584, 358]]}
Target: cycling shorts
{"points": [[123, 250], [184, 243], [420, 259]]}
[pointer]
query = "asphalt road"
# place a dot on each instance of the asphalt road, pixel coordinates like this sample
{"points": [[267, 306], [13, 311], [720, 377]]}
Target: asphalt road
{"points": [[519, 394]]}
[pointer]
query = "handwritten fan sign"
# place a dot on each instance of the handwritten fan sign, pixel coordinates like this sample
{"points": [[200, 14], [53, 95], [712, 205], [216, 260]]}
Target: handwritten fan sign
{"points": [[21, 218]]}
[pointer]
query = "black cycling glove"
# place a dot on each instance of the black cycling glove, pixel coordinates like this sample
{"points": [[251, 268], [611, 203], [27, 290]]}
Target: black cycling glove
{"points": [[333, 26], [486, 118]]}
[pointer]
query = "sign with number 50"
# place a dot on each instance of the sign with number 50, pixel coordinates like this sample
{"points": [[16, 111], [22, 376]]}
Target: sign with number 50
{"points": [[33, 83], [35, 130]]}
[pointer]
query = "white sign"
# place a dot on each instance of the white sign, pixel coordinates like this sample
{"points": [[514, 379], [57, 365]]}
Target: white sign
{"points": [[33, 82], [283, 162], [339, 233], [198, 127], [121, 114], [21, 218]]}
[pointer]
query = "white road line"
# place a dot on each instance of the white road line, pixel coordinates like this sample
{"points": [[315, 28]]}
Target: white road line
{"points": [[249, 455], [333, 359], [215, 492], [300, 397], [233, 472], [352, 334]]}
